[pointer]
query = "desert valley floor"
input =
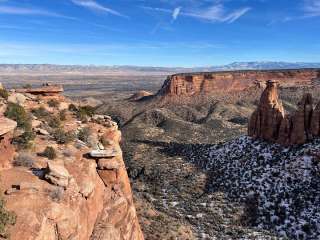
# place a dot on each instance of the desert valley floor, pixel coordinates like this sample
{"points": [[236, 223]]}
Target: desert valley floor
{"points": [[185, 161]]}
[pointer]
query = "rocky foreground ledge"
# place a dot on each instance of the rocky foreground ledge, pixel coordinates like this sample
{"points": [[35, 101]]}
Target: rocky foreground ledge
{"points": [[62, 171]]}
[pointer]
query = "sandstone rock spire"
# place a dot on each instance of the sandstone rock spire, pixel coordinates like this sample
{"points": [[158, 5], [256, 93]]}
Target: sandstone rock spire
{"points": [[266, 120], [270, 123], [301, 121], [315, 121]]}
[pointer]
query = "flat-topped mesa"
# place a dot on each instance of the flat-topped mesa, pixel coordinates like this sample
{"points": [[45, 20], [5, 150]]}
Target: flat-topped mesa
{"points": [[46, 90], [191, 84], [269, 121]]}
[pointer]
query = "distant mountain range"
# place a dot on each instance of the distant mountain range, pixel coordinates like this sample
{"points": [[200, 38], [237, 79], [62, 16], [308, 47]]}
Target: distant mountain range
{"points": [[51, 68]]}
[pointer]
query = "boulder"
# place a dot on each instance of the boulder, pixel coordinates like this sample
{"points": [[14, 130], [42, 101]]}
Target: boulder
{"points": [[57, 174], [63, 106], [42, 131], [6, 125], [17, 98], [106, 153], [36, 123], [108, 164]]}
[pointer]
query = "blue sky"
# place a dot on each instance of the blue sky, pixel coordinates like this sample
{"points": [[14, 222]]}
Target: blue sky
{"points": [[159, 32]]}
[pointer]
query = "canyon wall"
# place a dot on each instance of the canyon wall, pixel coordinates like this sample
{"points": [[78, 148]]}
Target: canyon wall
{"points": [[270, 122], [190, 84]]}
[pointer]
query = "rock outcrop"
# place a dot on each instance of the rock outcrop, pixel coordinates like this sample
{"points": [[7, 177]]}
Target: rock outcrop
{"points": [[46, 89], [7, 151], [269, 121], [73, 195], [140, 95], [192, 84], [6, 125]]}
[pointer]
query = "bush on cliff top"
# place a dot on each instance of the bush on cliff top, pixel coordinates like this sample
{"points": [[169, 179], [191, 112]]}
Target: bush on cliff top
{"points": [[6, 218], [82, 112], [40, 112], [4, 93], [24, 160], [53, 103], [63, 137], [84, 134], [24, 140], [49, 153], [17, 113]]}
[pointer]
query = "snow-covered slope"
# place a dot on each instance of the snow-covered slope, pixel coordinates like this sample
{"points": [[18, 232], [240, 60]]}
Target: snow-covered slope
{"points": [[281, 185]]}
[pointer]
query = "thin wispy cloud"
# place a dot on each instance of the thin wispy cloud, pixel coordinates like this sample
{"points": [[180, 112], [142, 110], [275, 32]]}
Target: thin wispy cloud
{"points": [[312, 8], [95, 6], [30, 11], [215, 13]]}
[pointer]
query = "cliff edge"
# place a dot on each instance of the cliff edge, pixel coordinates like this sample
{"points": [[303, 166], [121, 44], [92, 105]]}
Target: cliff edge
{"points": [[62, 171]]}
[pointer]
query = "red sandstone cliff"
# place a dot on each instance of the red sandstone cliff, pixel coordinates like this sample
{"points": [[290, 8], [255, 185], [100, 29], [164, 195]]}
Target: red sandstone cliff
{"points": [[186, 85], [83, 193]]}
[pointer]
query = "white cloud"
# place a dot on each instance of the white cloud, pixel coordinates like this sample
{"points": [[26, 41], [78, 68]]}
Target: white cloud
{"points": [[215, 13], [312, 8], [30, 11], [176, 13], [92, 5]]}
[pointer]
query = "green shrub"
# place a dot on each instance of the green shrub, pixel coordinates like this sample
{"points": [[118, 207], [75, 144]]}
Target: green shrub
{"points": [[24, 141], [27, 86], [40, 112], [54, 122], [83, 112], [24, 160], [87, 110], [6, 218], [63, 137], [53, 103], [73, 108], [16, 112], [49, 153], [84, 134], [62, 115], [4, 93]]}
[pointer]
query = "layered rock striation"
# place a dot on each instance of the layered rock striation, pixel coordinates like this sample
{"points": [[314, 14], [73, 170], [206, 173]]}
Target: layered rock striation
{"points": [[270, 122], [192, 84]]}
